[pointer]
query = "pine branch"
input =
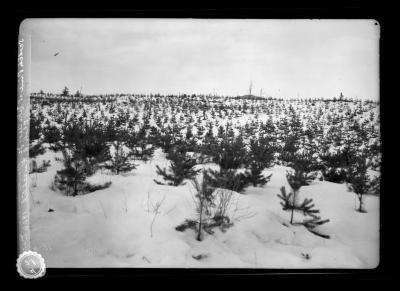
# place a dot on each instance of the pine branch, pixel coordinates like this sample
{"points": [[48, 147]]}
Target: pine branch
{"points": [[287, 203]]}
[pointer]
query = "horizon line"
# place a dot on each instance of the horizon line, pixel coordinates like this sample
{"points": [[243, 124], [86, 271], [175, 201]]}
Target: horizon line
{"points": [[209, 95]]}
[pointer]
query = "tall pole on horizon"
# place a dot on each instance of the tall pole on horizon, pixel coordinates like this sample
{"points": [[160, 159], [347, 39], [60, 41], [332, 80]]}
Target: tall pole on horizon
{"points": [[251, 86]]}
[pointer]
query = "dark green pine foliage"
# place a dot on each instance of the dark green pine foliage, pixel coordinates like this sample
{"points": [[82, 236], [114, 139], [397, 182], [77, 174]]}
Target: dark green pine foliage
{"points": [[34, 127], [260, 156], [209, 145], [289, 149], [287, 199], [34, 168], [110, 130], [249, 131], [154, 136], [52, 136], [207, 219], [312, 133], [221, 132], [90, 142], [145, 152], [312, 223], [190, 141], [204, 198], [200, 132], [139, 144], [231, 153], [292, 137], [297, 179], [306, 208], [65, 92], [71, 179], [228, 179], [334, 166], [177, 135], [120, 161], [181, 168], [358, 179], [35, 143], [304, 170], [268, 128], [166, 139], [36, 149], [84, 149], [159, 122]]}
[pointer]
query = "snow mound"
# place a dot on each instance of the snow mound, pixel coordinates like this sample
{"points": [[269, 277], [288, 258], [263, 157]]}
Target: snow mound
{"points": [[118, 226]]}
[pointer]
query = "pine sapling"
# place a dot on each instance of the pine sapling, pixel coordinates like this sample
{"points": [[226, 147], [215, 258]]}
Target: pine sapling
{"points": [[156, 210], [306, 208], [288, 202], [212, 208], [359, 180], [181, 168], [120, 159], [259, 157]]}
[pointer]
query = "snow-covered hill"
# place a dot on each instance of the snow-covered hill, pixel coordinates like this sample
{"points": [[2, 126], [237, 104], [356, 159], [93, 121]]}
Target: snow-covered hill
{"points": [[112, 227]]}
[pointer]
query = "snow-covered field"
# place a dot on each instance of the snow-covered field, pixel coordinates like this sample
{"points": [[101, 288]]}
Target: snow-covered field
{"points": [[112, 227]]}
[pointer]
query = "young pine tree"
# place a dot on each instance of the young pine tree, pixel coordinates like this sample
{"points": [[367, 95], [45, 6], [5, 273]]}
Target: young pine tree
{"points": [[35, 141], [298, 177], [119, 155], [140, 145], [212, 209], [230, 154], [260, 156], [335, 165], [71, 179], [65, 92], [306, 208], [90, 144], [181, 168], [190, 140], [84, 148], [359, 180], [204, 198]]}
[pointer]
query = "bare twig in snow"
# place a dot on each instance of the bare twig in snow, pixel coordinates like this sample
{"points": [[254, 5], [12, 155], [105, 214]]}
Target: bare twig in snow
{"points": [[156, 211], [145, 259], [244, 210], [125, 202], [102, 207], [148, 201], [34, 180], [33, 198], [169, 210]]}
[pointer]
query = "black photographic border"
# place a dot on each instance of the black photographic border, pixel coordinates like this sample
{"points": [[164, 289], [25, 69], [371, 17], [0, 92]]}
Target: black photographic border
{"points": [[385, 268]]}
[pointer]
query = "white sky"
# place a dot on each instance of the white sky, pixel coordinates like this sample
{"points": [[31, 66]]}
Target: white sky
{"points": [[286, 58]]}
